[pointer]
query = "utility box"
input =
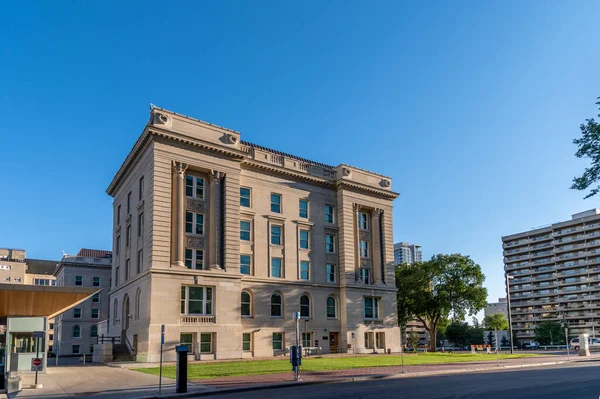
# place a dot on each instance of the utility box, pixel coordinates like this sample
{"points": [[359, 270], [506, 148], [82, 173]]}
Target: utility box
{"points": [[584, 345]]}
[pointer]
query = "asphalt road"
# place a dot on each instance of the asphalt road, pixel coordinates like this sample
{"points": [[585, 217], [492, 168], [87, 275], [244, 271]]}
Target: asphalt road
{"points": [[564, 382]]}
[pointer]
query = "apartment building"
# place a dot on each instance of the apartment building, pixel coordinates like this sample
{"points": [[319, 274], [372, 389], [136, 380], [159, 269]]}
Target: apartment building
{"points": [[405, 252], [222, 240], [555, 275], [493, 308], [76, 330]]}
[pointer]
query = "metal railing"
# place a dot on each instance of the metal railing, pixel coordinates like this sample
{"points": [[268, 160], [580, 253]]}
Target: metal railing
{"points": [[101, 339]]}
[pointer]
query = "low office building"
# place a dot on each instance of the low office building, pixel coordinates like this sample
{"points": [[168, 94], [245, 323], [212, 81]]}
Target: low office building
{"points": [[222, 240], [555, 275], [76, 330], [407, 253], [493, 308]]}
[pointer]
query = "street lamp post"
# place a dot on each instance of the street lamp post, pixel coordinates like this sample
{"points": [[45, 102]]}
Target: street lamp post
{"points": [[510, 333]]}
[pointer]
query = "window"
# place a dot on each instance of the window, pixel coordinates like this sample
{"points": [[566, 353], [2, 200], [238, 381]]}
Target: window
{"points": [[118, 245], [141, 224], [330, 269], [246, 342], [304, 239], [276, 235], [76, 349], [96, 298], [50, 338], [371, 307], [194, 258], [194, 186], [380, 340], [365, 276], [23, 342], [245, 264], [17, 279], [194, 223], [77, 313], [118, 215], [128, 236], [331, 309], [330, 243], [96, 281], [276, 267], [115, 307], [329, 209], [276, 203], [129, 203], [78, 280], [51, 326], [138, 302], [94, 331], [245, 230], [276, 305], [140, 261], [141, 188], [368, 340], [196, 300], [304, 306], [117, 276], [127, 268], [364, 249], [246, 304], [245, 197], [363, 221], [187, 339], [205, 343], [304, 270], [303, 209], [76, 332], [277, 341], [95, 313], [307, 340]]}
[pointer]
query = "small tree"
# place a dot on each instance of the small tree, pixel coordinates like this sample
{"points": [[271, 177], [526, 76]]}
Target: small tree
{"points": [[495, 321], [413, 337], [547, 332], [491, 340], [504, 341]]}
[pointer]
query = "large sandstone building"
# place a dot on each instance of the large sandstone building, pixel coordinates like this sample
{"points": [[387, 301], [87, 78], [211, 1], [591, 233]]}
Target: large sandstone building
{"points": [[222, 240]]}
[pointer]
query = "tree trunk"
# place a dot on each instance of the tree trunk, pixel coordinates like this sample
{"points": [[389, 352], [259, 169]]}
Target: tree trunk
{"points": [[433, 340]]}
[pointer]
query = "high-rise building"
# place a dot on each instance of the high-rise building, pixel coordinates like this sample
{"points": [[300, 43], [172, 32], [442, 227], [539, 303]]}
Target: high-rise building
{"points": [[222, 240], [555, 272], [493, 308], [407, 253], [76, 330]]}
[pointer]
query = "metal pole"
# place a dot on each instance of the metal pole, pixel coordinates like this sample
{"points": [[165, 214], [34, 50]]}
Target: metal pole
{"points": [[567, 342], [497, 354], [509, 313], [402, 349], [37, 356], [298, 351]]}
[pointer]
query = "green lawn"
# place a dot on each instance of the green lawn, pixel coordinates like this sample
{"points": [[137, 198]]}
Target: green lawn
{"points": [[228, 369]]}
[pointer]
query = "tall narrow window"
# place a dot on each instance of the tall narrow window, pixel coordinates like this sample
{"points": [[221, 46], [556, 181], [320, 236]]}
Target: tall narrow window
{"points": [[371, 307], [245, 197], [129, 203], [276, 267], [128, 236], [304, 306], [95, 281], [331, 308], [330, 243], [304, 270], [245, 228], [364, 249], [118, 215], [118, 245], [276, 235], [205, 343], [245, 266], [76, 332], [276, 203], [303, 209], [140, 261], [246, 342], [246, 304], [187, 339], [77, 313], [194, 258], [95, 313], [276, 305], [127, 269], [304, 234], [329, 214], [78, 280], [365, 275], [141, 224], [194, 223], [141, 188], [194, 187], [363, 219], [117, 275], [277, 341], [96, 298], [330, 271], [138, 302], [94, 331]]}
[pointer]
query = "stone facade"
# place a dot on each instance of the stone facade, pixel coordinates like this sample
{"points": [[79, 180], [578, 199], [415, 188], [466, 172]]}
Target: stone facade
{"points": [[222, 241]]}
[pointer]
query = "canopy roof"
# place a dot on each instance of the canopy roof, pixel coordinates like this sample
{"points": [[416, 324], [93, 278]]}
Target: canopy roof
{"points": [[40, 300]]}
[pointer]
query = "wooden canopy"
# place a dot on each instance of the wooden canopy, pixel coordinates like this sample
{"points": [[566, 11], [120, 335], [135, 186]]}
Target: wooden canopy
{"points": [[37, 300]]}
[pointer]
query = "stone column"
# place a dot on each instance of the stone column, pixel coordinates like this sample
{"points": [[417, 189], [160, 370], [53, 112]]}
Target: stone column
{"points": [[178, 214], [356, 208], [214, 220], [376, 243]]}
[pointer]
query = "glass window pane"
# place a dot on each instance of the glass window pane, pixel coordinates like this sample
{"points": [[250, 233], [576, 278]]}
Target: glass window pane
{"points": [[196, 292], [195, 307]]}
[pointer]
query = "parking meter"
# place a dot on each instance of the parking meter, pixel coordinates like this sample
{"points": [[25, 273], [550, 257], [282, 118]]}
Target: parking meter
{"points": [[181, 369], [296, 360]]}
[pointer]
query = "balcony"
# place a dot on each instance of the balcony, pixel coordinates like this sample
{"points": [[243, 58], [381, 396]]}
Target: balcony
{"points": [[198, 319], [561, 233], [566, 248], [579, 254], [566, 239]]}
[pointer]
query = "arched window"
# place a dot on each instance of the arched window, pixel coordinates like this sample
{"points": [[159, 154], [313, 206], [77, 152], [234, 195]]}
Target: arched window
{"points": [[76, 332], [304, 306], [138, 299], [276, 305], [115, 311], [331, 311], [94, 331], [246, 304]]}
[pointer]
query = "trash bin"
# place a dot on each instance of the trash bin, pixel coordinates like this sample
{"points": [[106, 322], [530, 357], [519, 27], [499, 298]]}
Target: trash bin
{"points": [[15, 384]]}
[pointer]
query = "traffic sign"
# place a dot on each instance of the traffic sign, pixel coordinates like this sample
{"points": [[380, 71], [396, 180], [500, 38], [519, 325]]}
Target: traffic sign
{"points": [[36, 364]]}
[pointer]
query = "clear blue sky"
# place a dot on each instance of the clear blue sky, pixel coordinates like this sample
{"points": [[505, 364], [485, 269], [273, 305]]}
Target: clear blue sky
{"points": [[471, 107]]}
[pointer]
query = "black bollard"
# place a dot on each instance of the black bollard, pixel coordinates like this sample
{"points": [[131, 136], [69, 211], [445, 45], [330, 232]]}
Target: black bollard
{"points": [[181, 370]]}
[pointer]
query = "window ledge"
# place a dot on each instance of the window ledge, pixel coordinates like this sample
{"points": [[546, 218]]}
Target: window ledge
{"points": [[276, 217], [246, 211], [140, 205], [304, 222], [128, 219]]}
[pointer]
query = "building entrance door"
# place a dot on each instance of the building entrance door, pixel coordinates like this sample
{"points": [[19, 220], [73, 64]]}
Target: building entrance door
{"points": [[334, 345]]}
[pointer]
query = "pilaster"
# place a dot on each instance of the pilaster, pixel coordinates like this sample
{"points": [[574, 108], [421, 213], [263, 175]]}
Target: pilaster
{"points": [[377, 254], [178, 214], [215, 215]]}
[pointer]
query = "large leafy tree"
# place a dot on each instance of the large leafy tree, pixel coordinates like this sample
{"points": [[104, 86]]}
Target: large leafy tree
{"points": [[548, 332], [443, 287], [459, 333], [495, 321], [588, 146]]}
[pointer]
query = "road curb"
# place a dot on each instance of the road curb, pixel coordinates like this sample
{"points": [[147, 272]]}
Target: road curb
{"points": [[289, 384]]}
